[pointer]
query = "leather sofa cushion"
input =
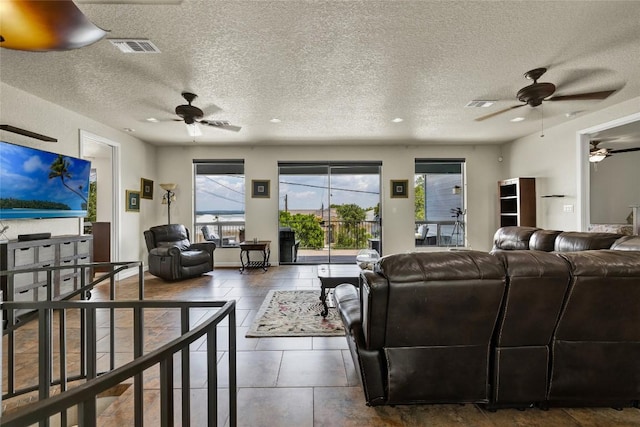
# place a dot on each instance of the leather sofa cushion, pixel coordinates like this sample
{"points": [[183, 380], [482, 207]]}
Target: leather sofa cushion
{"points": [[430, 295], [602, 300], [627, 243], [192, 258], [429, 266], [536, 286], [573, 241], [171, 235], [513, 238], [543, 240]]}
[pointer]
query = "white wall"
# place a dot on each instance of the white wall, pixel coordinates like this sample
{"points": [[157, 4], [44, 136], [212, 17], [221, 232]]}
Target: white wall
{"points": [[138, 159], [553, 161], [483, 171], [611, 196]]}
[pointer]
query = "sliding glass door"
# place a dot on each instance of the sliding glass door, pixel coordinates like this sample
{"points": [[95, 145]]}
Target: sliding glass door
{"points": [[329, 211]]}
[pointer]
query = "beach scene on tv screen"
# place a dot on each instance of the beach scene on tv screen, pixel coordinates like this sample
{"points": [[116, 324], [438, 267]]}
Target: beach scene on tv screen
{"points": [[41, 184]]}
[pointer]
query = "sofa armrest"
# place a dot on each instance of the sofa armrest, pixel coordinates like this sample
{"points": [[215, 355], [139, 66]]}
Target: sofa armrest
{"points": [[204, 246], [348, 301], [163, 251]]}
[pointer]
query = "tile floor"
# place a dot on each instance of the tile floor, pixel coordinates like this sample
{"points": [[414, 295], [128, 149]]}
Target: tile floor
{"points": [[303, 381]]}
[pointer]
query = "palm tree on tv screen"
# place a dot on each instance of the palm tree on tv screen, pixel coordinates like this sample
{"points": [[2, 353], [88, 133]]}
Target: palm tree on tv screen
{"points": [[60, 169]]}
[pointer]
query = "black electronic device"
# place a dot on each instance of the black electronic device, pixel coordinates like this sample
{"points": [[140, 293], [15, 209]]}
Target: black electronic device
{"points": [[33, 236]]}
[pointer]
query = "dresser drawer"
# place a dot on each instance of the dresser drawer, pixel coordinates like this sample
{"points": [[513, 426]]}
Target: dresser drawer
{"points": [[22, 281], [66, 286], [84, 247], [46, 253], [67, 249], [24, 256], [24, 296]]}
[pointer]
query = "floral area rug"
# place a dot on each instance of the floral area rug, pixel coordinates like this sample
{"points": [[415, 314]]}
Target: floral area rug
{"points": [[294, 314]]}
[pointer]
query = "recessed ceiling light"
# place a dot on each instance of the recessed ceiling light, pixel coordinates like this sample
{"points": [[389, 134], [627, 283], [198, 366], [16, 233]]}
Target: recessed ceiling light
{"points": [[274, 120], [397, 120], [152, 120], [128, 130], [480, 103], [517, 119]]}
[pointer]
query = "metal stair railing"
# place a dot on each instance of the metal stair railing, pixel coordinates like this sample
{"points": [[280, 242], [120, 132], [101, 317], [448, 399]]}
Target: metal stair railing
{"points": [[83, 396], [13, 322]]}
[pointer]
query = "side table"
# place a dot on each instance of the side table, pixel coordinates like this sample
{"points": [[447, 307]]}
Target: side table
{"points": [[260, 246]]}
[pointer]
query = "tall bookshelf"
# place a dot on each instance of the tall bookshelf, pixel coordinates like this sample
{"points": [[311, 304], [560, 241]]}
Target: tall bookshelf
{"points": [[517, 202]]}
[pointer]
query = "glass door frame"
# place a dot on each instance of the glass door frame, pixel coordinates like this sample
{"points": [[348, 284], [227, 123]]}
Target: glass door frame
{"points": [[334, 231]]}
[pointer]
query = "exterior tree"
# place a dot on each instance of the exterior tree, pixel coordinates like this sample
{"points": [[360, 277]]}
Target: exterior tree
{"points": [[420, 198], [307, 228], [91, 205], [351, 234]]}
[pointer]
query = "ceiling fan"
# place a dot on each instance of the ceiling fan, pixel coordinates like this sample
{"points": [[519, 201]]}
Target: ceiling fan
{"points": [[599, 154], [191, 115], [534, 94]]}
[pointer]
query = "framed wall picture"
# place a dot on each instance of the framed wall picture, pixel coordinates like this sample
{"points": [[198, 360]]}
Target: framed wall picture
{"points": [[260, 188], [146, 188], [400, 188], [133, 201]]}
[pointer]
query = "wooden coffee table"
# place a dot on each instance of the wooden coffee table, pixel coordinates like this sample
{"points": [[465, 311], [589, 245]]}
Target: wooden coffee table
{"points": [[332, 275]]}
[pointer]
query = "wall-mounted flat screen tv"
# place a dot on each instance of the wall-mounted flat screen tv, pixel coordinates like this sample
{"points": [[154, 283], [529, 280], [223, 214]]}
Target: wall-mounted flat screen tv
{"points": [[40, 184]]}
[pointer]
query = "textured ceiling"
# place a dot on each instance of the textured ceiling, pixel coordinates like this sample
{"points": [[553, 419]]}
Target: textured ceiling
{"points": [[339, 70]]}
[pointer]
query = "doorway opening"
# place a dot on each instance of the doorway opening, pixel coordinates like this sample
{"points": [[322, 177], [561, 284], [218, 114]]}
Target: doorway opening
{"points": [[103, 222], [328, 211]]}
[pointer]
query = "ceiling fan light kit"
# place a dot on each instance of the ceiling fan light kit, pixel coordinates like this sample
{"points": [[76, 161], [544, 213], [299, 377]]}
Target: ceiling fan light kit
{"points": [[42, 26]]}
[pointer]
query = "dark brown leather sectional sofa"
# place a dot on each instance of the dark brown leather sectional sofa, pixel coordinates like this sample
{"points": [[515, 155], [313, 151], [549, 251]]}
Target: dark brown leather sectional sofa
{"points": [[511, 328]]}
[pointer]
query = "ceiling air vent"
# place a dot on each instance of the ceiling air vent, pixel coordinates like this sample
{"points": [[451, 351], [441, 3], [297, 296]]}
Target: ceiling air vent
{"points": [[135, 45]]}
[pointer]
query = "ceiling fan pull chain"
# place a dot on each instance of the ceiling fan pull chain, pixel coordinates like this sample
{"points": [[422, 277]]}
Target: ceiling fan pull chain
{"points": [[541, 121]]}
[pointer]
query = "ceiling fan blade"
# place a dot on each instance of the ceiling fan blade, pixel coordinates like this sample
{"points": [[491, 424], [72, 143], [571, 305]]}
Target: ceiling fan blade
{"points": [[495, 113], [221, 124], [624, 150], [583, 96], [211, 110]]}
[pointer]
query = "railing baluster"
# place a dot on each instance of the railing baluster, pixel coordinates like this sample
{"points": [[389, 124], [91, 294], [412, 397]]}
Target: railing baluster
{"points": [[92, 369], [186, 370], [87, 413], [62, 320], [166, 392], [112, 322], [44, 356], [138, 348], [233, 388], [212, 376]]}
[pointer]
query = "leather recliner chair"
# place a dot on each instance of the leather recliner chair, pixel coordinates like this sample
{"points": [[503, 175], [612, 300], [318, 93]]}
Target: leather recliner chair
{"points": [[537, 283], [596, 344], [420, 331], [173, 257]]}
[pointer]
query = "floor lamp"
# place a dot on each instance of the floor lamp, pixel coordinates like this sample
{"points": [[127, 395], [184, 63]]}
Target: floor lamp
{"points": [[168, 197]]}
